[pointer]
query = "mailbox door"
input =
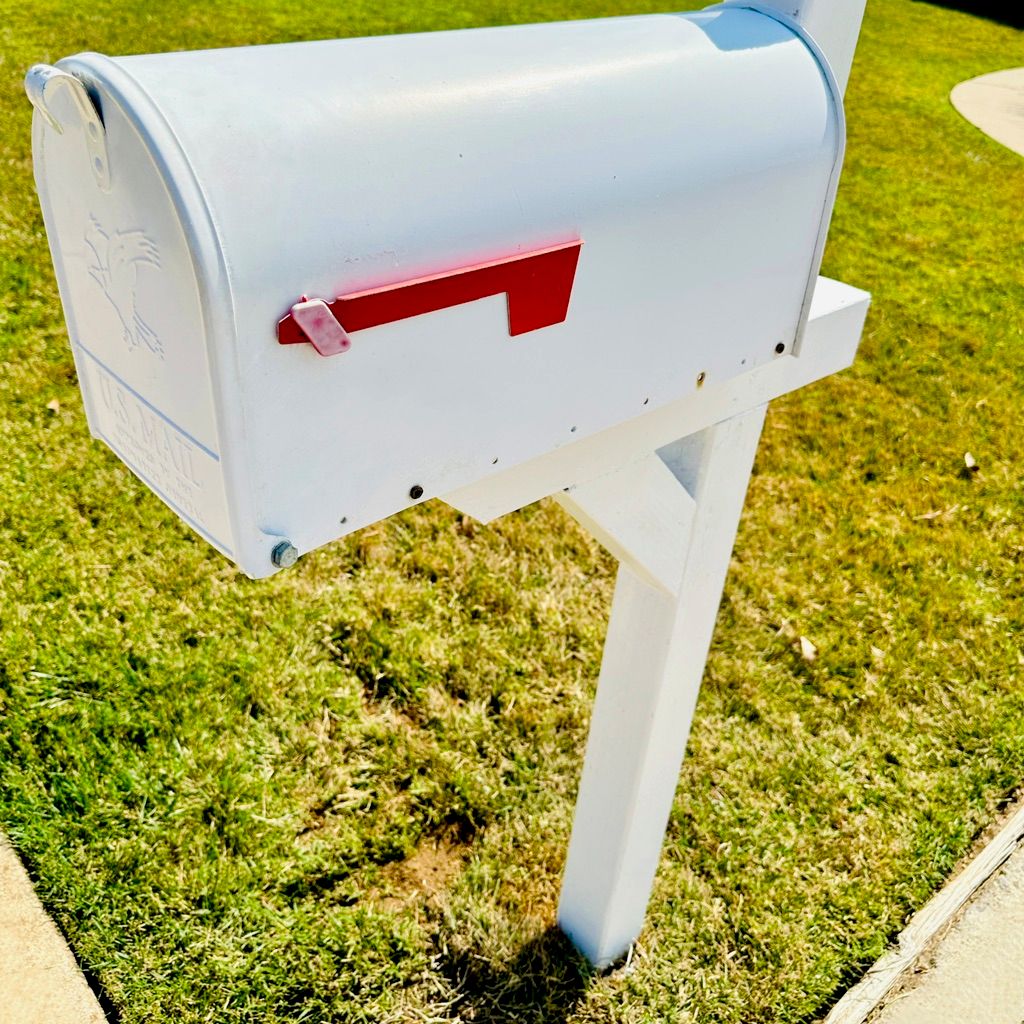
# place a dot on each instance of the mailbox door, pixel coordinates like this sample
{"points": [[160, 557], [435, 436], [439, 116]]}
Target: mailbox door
{"points": [[131, 292]]}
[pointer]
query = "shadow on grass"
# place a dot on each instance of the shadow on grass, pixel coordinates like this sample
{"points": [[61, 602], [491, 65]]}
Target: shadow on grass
{"points": [[1005, 13], [110, 1012], [542, 985]]}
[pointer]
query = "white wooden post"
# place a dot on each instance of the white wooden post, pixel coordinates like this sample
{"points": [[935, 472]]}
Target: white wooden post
{"points": [[661, 625], [669, 514]]}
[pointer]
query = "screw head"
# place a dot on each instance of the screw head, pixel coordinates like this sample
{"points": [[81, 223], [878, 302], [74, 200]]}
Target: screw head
{"points": [[284, 554], [780, 348], [415, 492], [701, 377]]}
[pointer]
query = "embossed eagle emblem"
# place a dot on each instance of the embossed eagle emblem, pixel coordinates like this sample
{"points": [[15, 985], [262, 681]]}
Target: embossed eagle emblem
{"points": [[114, 265]]}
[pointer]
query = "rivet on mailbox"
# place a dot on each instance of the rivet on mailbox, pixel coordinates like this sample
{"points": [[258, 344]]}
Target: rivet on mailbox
{"points": [[696, 155]]}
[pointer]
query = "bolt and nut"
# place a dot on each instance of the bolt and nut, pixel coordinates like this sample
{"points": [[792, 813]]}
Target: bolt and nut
{"points": [[284, 554]]}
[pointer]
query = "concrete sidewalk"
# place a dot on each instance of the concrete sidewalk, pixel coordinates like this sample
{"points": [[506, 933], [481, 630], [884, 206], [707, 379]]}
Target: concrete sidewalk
{"points": [[975, 975], [40, 983], [995, 104], [960, 958]]}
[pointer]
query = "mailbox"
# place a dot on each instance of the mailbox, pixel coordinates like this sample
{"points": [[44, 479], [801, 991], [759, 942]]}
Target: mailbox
{"points": [[308, 285]]}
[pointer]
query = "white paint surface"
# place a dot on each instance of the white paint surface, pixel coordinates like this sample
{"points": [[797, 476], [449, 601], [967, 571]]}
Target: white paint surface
{"points": [[829, 345], [641, 514], [695, 156], [833, 24], [670, 516], [134, 314]]}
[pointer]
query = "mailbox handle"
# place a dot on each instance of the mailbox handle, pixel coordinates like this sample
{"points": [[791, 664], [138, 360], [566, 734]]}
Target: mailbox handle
{"points": [[538, 285]]}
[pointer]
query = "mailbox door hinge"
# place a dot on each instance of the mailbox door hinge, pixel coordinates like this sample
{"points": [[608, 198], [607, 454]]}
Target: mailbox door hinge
{"points": [[59, 96]]}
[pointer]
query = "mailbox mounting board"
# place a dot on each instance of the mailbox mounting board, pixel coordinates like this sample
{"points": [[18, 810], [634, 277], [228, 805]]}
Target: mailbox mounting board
{"points": [[688, 160]]}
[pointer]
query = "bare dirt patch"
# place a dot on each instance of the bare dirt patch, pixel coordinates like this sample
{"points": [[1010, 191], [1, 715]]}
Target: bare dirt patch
{"points": [[421, 876]]}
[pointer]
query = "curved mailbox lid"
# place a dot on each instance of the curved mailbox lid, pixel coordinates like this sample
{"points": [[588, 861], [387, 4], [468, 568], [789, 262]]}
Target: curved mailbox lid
{"points": [[691, 155]]}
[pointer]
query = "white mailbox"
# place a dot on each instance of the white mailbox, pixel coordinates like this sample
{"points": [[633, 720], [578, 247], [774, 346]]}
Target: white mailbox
{"points": [[507, 240], [309, 285]]}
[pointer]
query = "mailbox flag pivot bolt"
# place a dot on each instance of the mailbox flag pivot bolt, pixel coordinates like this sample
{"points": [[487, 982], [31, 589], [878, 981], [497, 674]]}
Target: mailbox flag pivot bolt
{"points": [[320, 326], [284, 554]]}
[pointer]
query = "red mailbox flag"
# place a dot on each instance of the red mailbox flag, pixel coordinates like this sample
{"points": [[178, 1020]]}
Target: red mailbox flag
{"points": [[538, 285]]}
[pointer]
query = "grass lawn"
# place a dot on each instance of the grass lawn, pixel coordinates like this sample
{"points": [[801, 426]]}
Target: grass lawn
{"points": [[345, 794]]}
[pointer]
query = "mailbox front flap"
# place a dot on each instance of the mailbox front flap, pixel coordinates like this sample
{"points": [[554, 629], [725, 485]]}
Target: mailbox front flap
{"points": [[132, 299]]}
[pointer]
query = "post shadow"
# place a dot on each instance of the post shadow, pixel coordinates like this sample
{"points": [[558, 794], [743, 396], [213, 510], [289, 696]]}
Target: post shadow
{"points": [[542, 984]]}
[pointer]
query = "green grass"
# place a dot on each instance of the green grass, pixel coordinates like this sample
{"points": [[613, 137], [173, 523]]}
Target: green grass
{"points": [[345, 794]]}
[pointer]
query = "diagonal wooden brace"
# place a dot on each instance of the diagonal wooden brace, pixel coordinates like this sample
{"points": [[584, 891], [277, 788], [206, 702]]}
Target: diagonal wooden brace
{"points": [[641, 514]]}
